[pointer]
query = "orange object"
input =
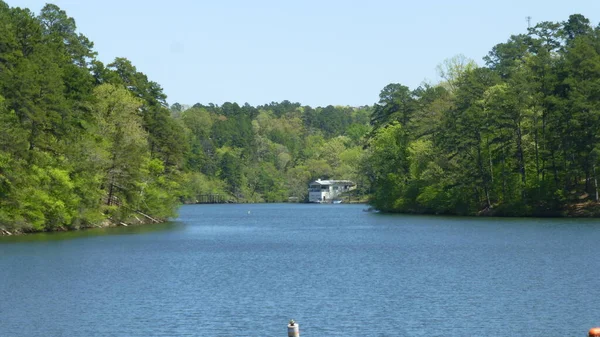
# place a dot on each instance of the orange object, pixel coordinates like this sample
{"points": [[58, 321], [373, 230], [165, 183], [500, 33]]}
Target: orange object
{"points": [[594, 332]]}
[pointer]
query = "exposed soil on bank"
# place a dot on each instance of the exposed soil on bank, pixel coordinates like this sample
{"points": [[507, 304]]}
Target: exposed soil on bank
{"points": [[136, 221]]}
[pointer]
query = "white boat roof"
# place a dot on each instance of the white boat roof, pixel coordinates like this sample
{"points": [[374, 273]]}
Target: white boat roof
{"points": [[332, 182]]}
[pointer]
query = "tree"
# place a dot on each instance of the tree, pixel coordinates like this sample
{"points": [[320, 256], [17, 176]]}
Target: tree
{"points": [[576, 25], [452, 68], [396, 103], [60, 29], [125, 142], [389, 154]]}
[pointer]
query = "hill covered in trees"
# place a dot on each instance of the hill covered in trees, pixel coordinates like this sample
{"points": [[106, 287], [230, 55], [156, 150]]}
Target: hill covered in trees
{"points": [[519, 136], [271, 152], [80, 142], [84, 143]]}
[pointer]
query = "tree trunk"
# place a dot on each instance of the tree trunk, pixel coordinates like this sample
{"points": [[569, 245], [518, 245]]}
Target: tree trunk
{"points": [[521, 160], [482, 172], [536, 145], [595, 182]]}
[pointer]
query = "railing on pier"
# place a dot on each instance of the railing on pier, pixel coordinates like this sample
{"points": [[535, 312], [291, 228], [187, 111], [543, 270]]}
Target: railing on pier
{"points": [[211, 199]]}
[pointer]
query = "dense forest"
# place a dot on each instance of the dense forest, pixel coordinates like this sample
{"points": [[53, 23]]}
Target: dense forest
{"points": [[84, 143], [519, 136], [271, 152]]}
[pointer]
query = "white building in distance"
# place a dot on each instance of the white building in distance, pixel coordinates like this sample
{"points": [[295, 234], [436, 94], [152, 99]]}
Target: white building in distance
{"points": [[325, 191]]}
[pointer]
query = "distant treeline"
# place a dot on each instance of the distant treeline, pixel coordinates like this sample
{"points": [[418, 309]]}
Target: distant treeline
{"points": [[84, 143], [271, 152]]}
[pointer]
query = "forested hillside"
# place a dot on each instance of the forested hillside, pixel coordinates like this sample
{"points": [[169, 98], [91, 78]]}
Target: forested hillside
{"points": [[80, 142], [84, 143], [271, 152], [519, 136]]}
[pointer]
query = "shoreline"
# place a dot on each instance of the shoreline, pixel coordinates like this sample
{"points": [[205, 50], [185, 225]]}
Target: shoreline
{"points": [[104, 224], [589, 209]]}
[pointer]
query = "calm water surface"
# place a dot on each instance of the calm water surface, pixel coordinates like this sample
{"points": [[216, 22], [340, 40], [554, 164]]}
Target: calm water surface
{"points": [[245, 270]]}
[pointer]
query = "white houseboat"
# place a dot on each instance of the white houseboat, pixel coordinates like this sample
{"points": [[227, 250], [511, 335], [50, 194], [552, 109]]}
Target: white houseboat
{"points": [[326, 191]]}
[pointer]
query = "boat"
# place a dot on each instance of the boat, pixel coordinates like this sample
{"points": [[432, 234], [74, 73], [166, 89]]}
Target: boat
{"points": [[329, 191]]}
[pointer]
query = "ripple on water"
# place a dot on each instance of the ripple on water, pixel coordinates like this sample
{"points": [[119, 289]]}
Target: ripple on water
{"points": [[221, 271]]}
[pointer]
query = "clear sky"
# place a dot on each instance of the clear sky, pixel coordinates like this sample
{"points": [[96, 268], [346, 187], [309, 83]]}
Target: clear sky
{"points": [[316, 52]]}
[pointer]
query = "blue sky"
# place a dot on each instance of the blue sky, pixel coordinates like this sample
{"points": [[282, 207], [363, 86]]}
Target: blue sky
{"points": [[313, 52]]}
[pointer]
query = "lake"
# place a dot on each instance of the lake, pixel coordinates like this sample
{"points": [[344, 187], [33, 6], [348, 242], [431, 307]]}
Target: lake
{"points": [[245, 270]]}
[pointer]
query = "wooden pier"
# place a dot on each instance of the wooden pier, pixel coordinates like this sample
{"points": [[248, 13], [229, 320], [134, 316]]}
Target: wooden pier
{"points": [[211, 199]]}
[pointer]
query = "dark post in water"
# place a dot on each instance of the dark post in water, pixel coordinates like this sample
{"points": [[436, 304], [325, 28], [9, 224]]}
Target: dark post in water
{"points": [[293, 329]]}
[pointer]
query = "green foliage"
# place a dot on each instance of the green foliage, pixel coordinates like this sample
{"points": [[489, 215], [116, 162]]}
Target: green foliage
{"points": [[518, 137], [388, 160], [272, 152], [81, 142]]}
